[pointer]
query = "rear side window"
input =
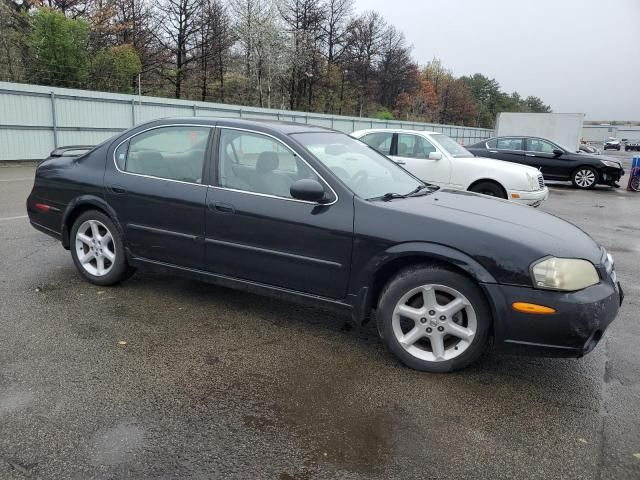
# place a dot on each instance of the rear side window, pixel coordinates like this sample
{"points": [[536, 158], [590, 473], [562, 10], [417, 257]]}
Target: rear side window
{"points": [[381, 141], [509, 144], [173, 153]]}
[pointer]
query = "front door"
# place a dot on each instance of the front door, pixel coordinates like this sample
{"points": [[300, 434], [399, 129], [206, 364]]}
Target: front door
{"points": [[255, 230], [154, 183], [539, 154], [412, 152]]}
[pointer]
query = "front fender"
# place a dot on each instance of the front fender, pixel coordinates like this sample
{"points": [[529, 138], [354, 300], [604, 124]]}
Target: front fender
{"points": [[370, 273], [82, 202]]}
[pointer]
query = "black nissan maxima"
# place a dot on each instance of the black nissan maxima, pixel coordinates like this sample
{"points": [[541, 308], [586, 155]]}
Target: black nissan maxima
{"points": [[554, 161], [310, 214]]}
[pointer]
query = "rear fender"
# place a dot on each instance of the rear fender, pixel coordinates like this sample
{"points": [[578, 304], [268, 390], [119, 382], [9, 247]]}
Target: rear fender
{"points": [[85, 202]]}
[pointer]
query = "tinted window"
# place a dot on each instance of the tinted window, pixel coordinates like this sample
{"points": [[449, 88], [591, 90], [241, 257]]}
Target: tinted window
{"points": [[414, 146], [174, 153], [492, 143], [541, 146], [509, 144], [381, 141], [258, 163]]}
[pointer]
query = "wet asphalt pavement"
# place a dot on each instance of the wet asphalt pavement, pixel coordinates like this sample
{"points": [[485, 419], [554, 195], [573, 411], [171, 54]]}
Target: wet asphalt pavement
{"points": [[163, 377]]}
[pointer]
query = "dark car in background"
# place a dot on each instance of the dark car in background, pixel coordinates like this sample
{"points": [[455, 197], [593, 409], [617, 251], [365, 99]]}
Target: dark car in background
{"points": [[554, 161], [612, 145], [311, 214], [632, 145]]}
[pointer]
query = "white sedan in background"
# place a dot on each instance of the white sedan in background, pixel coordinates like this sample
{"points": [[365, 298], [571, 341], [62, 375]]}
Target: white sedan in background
{"points": [[436, 158]]}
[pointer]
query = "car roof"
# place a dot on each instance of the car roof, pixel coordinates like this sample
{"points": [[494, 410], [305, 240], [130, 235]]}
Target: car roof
{"points": [[267, 126], [394, 130]]}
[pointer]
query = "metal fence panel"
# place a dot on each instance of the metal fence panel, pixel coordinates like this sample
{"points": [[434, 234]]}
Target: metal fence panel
{"points": [[35, 119]]}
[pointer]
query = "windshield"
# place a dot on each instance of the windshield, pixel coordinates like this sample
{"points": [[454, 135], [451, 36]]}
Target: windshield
{"points": [[452, 147], [366, 172]]}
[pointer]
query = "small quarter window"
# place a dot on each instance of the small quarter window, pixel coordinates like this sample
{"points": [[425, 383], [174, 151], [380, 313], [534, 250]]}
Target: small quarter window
{"points": [[173, 153]]}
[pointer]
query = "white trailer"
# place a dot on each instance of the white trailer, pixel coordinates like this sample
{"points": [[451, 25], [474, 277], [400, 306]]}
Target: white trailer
{"points": [[564, 129]]}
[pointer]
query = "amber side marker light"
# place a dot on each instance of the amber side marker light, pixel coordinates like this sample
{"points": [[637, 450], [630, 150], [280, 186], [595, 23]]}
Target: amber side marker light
{"points": [[515, 195], [532, 308]]}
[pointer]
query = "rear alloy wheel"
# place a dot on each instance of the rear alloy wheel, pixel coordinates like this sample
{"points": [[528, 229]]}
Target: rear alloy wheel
{"points": [[97, 249], [433, 319], [584, 177], [488, 188]]}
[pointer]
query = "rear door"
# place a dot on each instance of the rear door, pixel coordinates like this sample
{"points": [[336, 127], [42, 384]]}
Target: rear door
{"points": [[153, 181], [539, 154], [509, 149], [412, 152]]}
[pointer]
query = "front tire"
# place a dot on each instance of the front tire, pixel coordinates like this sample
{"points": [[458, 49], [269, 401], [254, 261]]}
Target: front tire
{"points": [[97, 249], [491, 189], [434, 319], [584, 178]]}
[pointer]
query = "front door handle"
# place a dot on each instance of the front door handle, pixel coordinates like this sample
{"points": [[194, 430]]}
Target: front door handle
{"points": [[493, 151], [222, 207], [400, 162], [530, 154], [117, 189]]}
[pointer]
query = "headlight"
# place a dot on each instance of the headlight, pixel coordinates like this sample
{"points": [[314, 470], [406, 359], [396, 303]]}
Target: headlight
{"points": [[533, 182], [567, 274], [611, 164]]}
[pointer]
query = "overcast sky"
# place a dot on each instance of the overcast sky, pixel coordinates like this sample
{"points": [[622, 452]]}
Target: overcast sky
{"points": [[577, 55]]}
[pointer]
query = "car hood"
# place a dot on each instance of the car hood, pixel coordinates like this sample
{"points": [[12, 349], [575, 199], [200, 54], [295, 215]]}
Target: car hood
{"points": [[503, 236], [508, 167]]}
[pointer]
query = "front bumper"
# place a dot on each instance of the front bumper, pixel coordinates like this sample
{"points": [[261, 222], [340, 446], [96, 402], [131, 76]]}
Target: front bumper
{"points": [[611, 175], [580, 320], [533, 199]]}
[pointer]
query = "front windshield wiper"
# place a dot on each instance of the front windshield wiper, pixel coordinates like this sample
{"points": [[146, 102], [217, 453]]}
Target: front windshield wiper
{"points": [[391, 195]]}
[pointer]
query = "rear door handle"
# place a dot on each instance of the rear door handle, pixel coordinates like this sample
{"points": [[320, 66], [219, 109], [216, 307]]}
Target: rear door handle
{"points": [[222, 207], [530, 154], [400, 162], [117, 189], [493, 151]]}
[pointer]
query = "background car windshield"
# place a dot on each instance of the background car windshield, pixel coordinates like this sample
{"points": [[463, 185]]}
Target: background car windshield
{"points": [[366, 172], [452, 147]]}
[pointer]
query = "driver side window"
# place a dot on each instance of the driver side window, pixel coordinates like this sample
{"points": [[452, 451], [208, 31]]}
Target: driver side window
{"points": [[414, 146], [540, 146]]}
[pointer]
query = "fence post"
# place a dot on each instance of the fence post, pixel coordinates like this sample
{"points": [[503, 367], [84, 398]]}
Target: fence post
{"points": [[54, 120], [133, 112], [195, 113]]}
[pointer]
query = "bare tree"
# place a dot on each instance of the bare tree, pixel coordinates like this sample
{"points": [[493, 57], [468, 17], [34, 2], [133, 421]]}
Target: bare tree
{"points": [[214, 40], [179, 22], [337, 14]]}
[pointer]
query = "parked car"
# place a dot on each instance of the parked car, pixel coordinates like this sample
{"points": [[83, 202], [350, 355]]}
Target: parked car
{"points": [[632, 145], [436, 158], [313, 215], [590, 149], [554, 161], [612, 145]]}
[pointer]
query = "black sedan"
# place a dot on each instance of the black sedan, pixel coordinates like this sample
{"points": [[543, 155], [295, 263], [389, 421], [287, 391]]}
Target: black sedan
{"points": [[313, 215], [632, 146], [554, 161]]}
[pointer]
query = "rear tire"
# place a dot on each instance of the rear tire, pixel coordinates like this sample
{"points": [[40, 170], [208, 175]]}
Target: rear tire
{"points": [[97, 249], [491, 189], [434, 319], [584, 178]]}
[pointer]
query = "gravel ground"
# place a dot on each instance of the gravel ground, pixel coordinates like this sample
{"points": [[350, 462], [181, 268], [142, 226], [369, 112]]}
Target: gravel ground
{"points": [[164, 377]]}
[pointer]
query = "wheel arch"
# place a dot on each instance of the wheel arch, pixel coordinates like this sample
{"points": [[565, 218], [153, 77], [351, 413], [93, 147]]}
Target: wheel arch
{"points": [[385, 266], [489, 180], [83, 204]]}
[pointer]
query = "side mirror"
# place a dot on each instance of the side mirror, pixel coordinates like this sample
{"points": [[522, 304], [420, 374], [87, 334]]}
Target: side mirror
{"points": [[435, 156], [308, 190], [557, 152]]}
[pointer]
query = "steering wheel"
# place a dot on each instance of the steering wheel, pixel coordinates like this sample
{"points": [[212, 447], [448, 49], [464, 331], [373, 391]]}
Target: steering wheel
{"points": [[360, 176]]}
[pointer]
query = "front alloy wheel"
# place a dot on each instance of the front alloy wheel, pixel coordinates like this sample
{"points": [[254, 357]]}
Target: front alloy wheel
{"points": [[585, 177], [434, 319], [434, 322]]}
